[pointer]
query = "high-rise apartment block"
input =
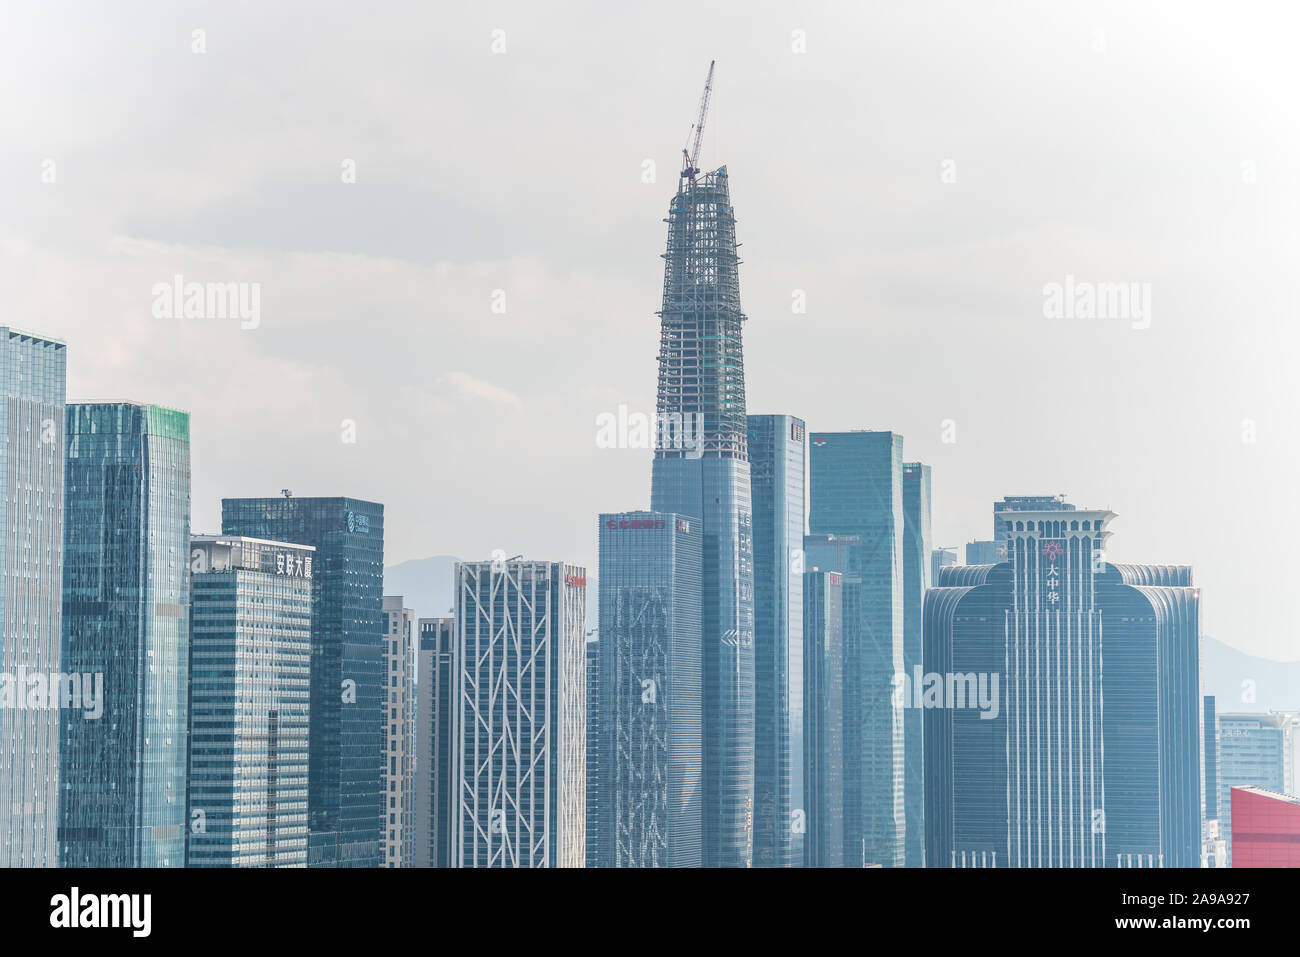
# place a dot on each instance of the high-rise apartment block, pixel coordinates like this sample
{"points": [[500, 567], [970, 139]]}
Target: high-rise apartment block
{"points": [[399, 738]]}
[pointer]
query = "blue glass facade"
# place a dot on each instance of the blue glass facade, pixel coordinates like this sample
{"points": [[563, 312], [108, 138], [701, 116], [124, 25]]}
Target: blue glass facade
{"points": [[32, 375], [1210, 737], [249, 703], [1047, 776], [916, 579], [126, 617], [823, 660], [701, 470], [857, 489], [435, 773], [777, 462], [1254, 750], [348, 680], [842, 554], [650, 745]]}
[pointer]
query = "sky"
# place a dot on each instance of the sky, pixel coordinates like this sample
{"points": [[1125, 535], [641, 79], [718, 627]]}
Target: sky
{"points": [[453, 218]]}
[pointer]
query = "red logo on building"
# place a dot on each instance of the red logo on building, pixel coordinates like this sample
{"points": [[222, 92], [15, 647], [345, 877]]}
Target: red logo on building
{"points": [[575, 581], [646, 524], [1053, 550]]}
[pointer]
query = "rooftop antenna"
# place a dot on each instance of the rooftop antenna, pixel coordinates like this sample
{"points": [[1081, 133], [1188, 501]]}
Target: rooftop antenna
{"points": [[691, 157], [287, 492]]}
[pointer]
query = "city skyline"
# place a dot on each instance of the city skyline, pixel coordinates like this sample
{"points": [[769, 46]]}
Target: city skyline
{"points": [[901, 259]]}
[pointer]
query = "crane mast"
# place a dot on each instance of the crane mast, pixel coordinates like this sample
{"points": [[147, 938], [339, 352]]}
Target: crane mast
{"points": [[691, 157]]}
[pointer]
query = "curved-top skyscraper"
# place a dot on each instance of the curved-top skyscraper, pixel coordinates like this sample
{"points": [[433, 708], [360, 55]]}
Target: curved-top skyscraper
{"points": [[701, 468]]}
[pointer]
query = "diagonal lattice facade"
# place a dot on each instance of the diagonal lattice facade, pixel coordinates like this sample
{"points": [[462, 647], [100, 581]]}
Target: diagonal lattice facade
{"points": [[519, 723], [651, 758]]}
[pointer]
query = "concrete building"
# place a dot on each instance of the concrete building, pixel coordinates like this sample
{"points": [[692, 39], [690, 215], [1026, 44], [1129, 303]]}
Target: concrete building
{"points": [[399, 719]]}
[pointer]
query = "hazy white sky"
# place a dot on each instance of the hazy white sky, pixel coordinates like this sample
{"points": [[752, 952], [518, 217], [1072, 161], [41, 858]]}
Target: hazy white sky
{"points": [[920, 171]]}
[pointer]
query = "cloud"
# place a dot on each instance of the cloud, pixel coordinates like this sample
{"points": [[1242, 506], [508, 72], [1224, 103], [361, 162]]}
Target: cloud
{"points": [[1106, 142], [466, 384]]}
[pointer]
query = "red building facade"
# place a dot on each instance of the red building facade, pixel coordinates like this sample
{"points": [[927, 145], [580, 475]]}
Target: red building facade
{"points": [[1265, 828]]}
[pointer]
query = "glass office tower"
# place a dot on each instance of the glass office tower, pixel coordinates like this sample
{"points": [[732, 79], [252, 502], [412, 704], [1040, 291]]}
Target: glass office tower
{"points": [[701, 470], [126, 616], [1255, 750], [434, 773], [1025, 767], [916, 579], [842, 554], [32, 374], [519, 724], [348, 681], [941, 558], [985, 553], [651, 742], [250, 678], [777, 461], [823, 659], [857, 489]]}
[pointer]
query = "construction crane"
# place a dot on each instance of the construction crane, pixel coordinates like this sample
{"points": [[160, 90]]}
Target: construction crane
{"points": [[691, 157]]}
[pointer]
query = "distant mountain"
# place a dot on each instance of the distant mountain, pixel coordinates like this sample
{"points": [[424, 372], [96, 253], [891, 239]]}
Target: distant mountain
{"points": [[1234, 677], [425, 583], [428, 587]]}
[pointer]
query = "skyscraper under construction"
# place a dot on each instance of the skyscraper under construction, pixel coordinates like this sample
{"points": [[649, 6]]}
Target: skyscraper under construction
{"points": [[701, 469]]}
